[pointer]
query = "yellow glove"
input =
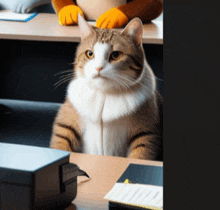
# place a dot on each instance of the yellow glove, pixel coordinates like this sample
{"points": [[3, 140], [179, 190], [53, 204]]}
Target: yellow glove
{"points": [[68, 15], [113, 18]]}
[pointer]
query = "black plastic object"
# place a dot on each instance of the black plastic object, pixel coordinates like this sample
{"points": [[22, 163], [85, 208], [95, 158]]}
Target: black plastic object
{"points": [[36, 178], [139, 174]]}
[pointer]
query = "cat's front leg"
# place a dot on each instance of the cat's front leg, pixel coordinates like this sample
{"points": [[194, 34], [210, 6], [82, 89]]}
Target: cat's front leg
{"points": [[63, 139], [144, 146], [66, 132]]}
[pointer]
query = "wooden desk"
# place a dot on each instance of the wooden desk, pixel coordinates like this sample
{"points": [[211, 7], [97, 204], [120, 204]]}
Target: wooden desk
{"points": [[104, 172], [45, 27]]}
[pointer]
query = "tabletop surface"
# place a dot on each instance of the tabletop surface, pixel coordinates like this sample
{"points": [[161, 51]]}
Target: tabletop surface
{"points": [[104, 171], [45, 27]]}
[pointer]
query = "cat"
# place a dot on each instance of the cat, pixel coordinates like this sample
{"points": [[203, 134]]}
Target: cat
{"points": [[112, 104]]}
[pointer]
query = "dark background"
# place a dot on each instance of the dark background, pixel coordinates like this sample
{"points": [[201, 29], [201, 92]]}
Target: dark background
{"points": [[191, 104]]}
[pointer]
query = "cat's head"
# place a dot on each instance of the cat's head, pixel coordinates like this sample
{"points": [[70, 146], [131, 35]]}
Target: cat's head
{"points": [[110, 59]]}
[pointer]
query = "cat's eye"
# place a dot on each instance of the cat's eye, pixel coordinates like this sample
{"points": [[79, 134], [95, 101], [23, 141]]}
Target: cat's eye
{"points": [[116, 55], [89, 54]]}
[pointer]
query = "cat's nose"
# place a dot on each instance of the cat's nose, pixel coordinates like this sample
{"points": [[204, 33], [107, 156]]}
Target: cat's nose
{"points": [[99, 68]]}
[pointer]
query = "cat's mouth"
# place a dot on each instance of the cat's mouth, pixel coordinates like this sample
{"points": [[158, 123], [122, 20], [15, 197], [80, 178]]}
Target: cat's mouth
{"points": [[100, 77]]}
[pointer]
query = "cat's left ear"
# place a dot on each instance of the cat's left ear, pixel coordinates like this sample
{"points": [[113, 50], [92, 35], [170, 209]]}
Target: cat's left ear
{"points": [[84, 28], [134, 29]]}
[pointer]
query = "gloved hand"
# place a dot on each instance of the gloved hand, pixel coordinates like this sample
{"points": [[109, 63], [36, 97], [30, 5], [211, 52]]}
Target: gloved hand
{"points": [[68, 15], [113, 18]]}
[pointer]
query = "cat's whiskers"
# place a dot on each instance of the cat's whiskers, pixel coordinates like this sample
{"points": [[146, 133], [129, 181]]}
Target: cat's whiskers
{"points": [[73, 63], [158, 78], [135, 82], [118, 86], [157, 92], [150, 90], [116, 83], [120, 82], [70, 74], [63, 80], [155, 78], [63, 72], [128, 82], [60, 83]]}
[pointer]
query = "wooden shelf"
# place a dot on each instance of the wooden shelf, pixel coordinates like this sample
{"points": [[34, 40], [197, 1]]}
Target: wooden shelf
{"points": [[45, 27]]}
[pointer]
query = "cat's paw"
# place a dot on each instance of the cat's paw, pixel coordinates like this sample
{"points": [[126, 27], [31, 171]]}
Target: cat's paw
{"points": [[113, 18], [68, 15]]}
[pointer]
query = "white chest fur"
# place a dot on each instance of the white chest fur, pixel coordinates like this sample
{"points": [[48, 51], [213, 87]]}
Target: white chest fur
{"points": [[101, 135], [95, 105], [101, 115], [104, 138]]}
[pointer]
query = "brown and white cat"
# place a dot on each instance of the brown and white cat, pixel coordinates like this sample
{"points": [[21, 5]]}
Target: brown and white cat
{"points": [[111, 106]]}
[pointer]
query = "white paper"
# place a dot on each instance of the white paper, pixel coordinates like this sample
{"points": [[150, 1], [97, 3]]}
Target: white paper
{"points": [[9, 15], [137, 195]]}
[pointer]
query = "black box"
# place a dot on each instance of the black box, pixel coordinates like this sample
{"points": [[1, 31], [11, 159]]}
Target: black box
{"points": [[36, 178]]}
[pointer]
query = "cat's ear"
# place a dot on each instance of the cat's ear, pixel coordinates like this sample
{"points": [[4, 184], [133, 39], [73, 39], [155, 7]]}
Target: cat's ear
{"points": [[134, 29], [84, 28]]}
